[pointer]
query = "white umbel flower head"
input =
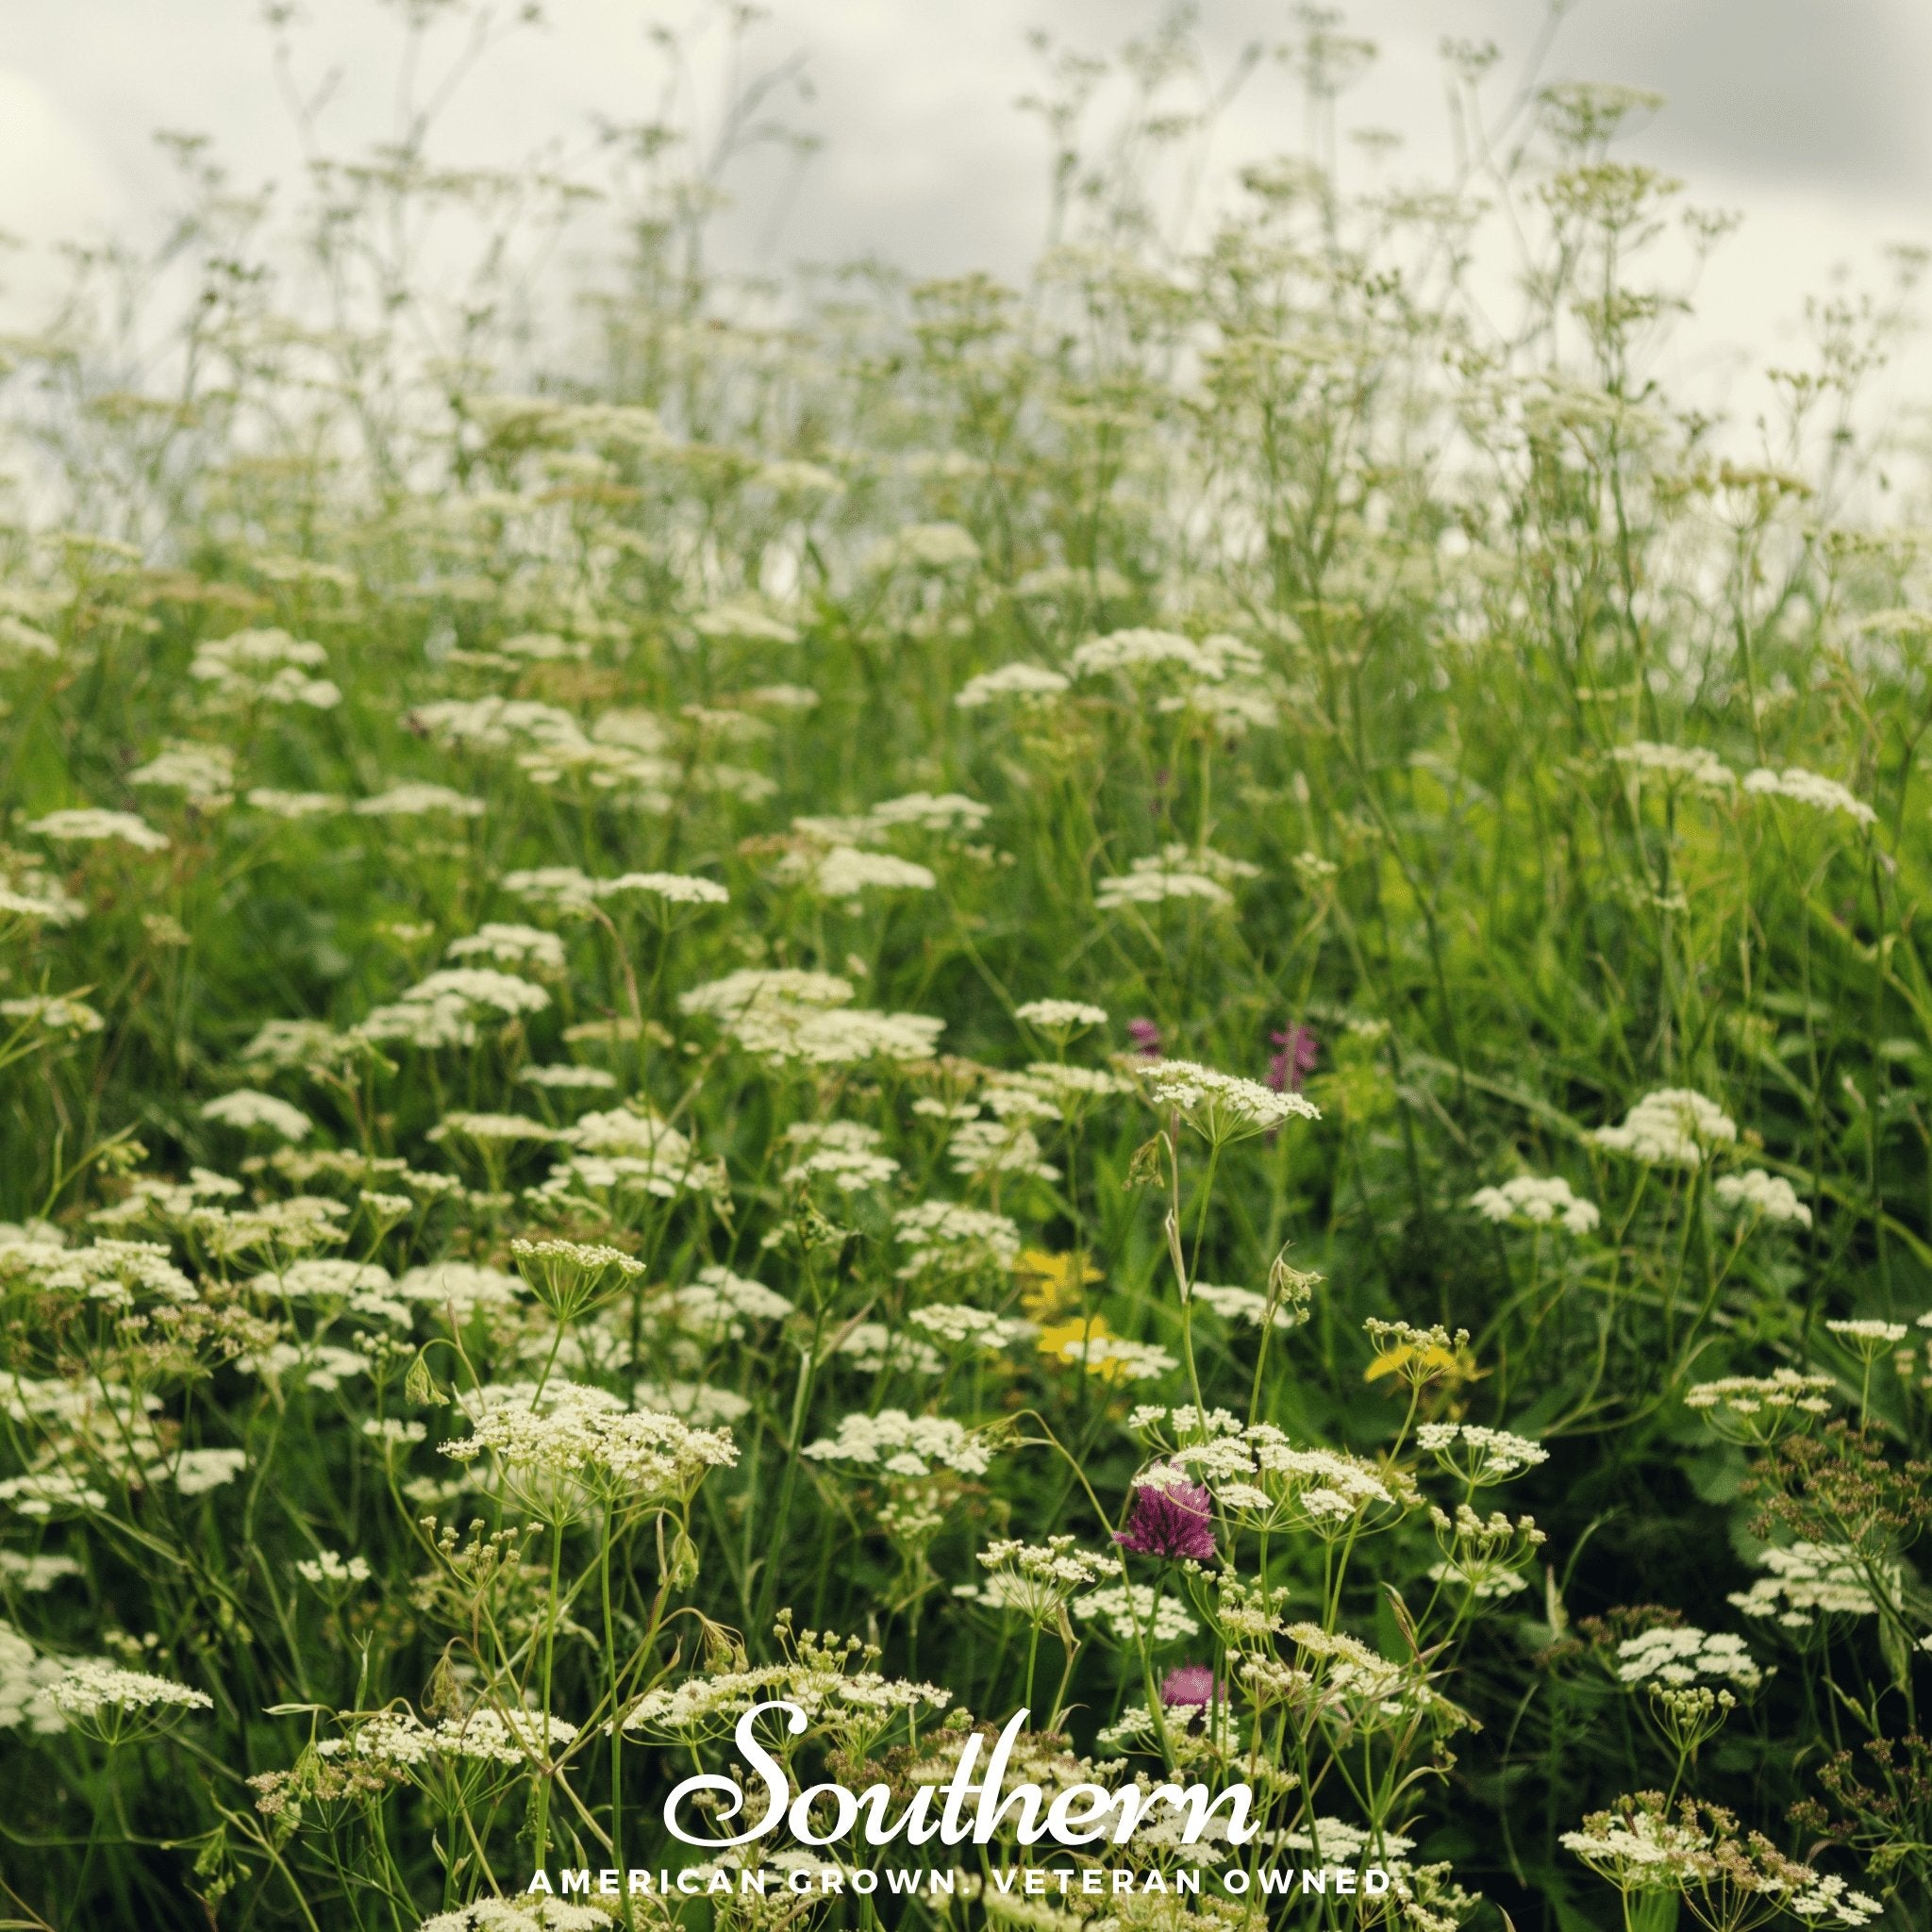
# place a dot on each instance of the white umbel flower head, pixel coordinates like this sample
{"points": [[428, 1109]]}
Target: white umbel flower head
{"points": [[1810, 788], [121, 1707], [1764, 1197], [245, 1108], [1221, 1107], [87, 826], [1029, 683], [1672, 1127], [1685, 1656], [1060, 1016], [896, 1443], [1537, 1203]]}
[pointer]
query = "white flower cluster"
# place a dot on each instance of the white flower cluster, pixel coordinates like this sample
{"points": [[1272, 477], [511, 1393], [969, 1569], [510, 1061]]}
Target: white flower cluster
{"points": [[484, 1735], [244, 1107], [1810, 788], [564, 889], [1146, 650], [1116, 1358], [1685, 1656], [1262, 1479], [635, 1456], [1809, 1581], [1768, 1197], [1677, 764], [951, 1239], [844, 872], [89, 825], [1225, 1106], [872, 1348], [26, 1679], [265, 667], [1034, 1580], [444, 1008], [204, 775], [896, 1443], [1749, 1397], [417, 799], [982, 1149], [957, 1326], [1538, 1203], [1868, 1332], [1132, 1610], [1244, 1305], [54, 1013], [788, 1014], [845, 1153], [717, 1303], [331, 1570], [539, 1914], [1177, 872], [88, 1687], [1029, 683], [1479, 1454], [1060, 1016], [1670, 1128], [526, 946]]}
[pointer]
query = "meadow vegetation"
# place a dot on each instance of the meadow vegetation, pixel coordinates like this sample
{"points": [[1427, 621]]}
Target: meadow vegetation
{"points": [[1193, 997]]}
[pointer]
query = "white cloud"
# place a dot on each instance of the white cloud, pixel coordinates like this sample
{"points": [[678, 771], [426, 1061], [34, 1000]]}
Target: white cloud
{"points": [[1798, 114], [55, 189]]}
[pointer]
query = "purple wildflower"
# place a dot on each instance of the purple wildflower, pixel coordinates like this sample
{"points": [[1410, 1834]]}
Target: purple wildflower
{"points": [[1171, 1517], [1146, 1038], [1188, 1684], [1296, 1061]]}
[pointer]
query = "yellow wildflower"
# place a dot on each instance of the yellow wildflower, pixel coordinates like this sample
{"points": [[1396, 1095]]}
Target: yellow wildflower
{"points": [[1050, 1283]]}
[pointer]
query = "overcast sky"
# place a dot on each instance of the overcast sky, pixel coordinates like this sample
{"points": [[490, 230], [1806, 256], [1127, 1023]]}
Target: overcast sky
{"points": [[1805, 115]]}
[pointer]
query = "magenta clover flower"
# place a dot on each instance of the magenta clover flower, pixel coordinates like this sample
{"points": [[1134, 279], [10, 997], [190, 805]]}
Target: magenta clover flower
{"points": [[1188, 1684], [1171, 1516], [1296, 1061]]}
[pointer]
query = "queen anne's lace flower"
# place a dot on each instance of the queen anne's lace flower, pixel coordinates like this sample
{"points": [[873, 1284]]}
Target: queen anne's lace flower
{"points": [[1677, 764], [634, 1458], [1225, 1106], [671, 888], [1132, 1610], [527, 946], [1142, 650], [537, 1914], [87, 825], [1809, 1581], [1761, 1405], [1672, 1128], [1479, 1454], [204, 775], [330, 1568], [1030, 683], [1768, 1197], [948, 1236], [1060, 1016], [959, 1327], [245, 1108], [896, 1444], [845, 871], [112, 1703], [1867, 1331], [1809, 788], [1538, 1203], [1686, 1655], [789, 1014], [418, 800]]}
